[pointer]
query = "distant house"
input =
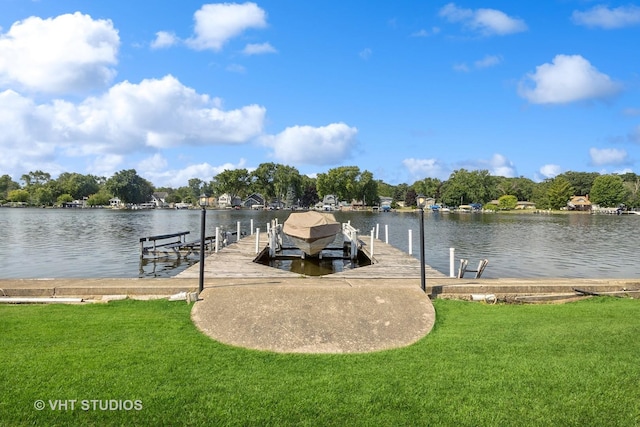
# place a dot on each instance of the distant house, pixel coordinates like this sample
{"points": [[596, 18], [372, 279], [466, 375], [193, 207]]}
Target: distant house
{"points": [[579, 203], [159, 199], [385, 201], [254, 201], [525, 205], [115, 202], [329, 202], [226, 201]]}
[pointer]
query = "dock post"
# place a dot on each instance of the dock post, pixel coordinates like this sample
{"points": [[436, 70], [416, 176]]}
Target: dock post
{"points": [[257, 239], [410, 243], [377, 230], [251, 228], [386, 233], [217, 239], [238, 231], [371, 248], [452, 258]]}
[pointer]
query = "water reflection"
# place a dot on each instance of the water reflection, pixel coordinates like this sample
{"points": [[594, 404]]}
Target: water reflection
{"points": [[58, 243]]}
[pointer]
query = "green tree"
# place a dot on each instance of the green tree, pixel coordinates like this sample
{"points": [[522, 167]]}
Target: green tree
{"points": [[347, 183], [507, 202], [608, 191], [632, 184], [309, 194], [430, 187], [234, 182], [465, 187], [44, 195], [520, 187], [580, 181], [7, 184], [64, 198], [410, 198], [19, 195], [101, 198], [77, 185], [559, 193], [36, 178], [129, 187]]}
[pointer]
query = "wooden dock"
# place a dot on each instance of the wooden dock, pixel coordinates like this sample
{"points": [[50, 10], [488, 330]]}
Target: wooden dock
{"points": [[237, 261]]}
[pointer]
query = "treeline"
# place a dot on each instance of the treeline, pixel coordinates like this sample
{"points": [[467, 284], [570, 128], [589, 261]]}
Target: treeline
{"points": [[285, 183]]}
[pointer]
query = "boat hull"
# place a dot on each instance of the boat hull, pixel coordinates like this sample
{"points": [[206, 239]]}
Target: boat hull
{"points": [[311, 231]]}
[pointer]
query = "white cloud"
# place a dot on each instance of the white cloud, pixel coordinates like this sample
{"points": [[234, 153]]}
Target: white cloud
{"points": [[461, 67], [424, 33], [486, 21], [488, 61], [421, 168], [127, 119], [258, 49], [313, 145], [65, 54], [164, 39], [550, 170], [155, 113], [568, 79], [608, 156], [215, 24], [603, 17], [106, 165], [176, 178], [499, 165], [365, 53]]}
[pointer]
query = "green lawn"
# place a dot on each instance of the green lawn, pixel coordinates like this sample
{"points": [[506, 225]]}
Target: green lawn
{"points": [[576, 364]]}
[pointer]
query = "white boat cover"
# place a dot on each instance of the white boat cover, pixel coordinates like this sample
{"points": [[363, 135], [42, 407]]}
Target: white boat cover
{"points": [[311, 225]]}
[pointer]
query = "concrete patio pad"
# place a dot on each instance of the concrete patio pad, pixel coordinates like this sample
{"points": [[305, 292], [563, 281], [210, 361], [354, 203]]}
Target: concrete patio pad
{"points": [[315, 315]]}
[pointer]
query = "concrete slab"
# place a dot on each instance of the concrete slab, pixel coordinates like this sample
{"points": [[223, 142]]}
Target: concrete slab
{"points": [[315, 315]]}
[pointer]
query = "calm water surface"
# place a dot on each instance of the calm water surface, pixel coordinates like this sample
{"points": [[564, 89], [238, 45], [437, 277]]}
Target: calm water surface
{"points": [[59, 243]]}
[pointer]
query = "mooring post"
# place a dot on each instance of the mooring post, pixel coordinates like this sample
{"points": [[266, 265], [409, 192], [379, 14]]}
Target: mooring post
{"points": [[377, 230], [410, 243], [452, 258], [238, 231], [251, 228], [386, 233], [257, 239], [217, 239], [371, 248]]}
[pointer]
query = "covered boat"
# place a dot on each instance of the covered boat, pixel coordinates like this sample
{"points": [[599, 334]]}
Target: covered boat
{"points": [[311, 231]]}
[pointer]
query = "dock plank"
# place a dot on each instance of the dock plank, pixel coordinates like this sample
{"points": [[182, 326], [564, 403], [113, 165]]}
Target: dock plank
{"points": [[236, 261]]}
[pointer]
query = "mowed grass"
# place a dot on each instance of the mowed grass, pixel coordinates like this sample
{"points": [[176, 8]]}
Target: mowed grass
{"points": [[575, 364]]}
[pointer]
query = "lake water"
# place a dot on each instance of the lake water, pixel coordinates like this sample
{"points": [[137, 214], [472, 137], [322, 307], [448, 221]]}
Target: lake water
{"points": [[59, 243]]}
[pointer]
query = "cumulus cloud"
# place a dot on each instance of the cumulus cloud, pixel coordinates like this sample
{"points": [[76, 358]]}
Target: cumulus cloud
{"points": [[568, 78], [313, 145], [158, 113], [488, 22], [178, 177], [163, 40], [550, 170], [258, 49], [608, 156], [604, 17], [215, 24], [65, 54], [488, 61], [421, 168], [129, 118], [499, 165]]}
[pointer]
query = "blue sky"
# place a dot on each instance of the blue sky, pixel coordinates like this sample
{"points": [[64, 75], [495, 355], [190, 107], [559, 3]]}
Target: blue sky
{"points": [[404, 89]]}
